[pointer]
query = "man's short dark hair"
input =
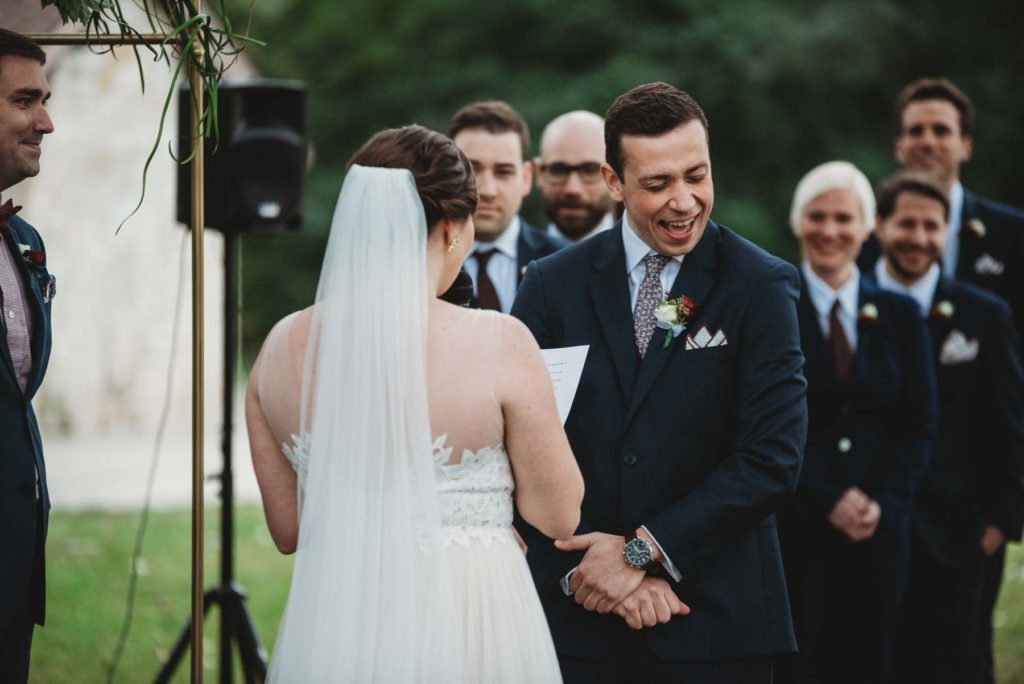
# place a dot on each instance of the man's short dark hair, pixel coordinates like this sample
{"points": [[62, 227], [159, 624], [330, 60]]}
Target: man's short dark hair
{"points": [[17, 45], [936, 89], [494, 116], [914, 182], [651, 109]]}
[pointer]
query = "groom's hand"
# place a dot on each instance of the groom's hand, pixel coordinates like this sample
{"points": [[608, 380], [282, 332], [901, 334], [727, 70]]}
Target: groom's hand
{"points": [[652, 603], [603, 577]]}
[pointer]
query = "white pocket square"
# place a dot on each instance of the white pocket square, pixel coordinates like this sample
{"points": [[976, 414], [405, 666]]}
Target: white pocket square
{"points": [[988, 265], [958, 349], [704, 339]]}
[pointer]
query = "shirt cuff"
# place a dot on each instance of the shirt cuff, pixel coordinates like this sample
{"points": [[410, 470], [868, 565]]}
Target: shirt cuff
{"points": [[565, 582], [666, 562]]}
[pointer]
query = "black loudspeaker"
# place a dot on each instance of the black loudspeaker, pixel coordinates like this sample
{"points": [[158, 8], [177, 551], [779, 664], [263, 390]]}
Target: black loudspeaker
{"points": [[254, 178]]}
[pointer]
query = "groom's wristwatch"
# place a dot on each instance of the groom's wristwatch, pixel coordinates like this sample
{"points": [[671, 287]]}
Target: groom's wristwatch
{"points": [[638, 553]]}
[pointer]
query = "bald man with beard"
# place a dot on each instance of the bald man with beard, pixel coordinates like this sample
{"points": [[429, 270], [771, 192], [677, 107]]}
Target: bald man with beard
{"points": [[574, 195]]}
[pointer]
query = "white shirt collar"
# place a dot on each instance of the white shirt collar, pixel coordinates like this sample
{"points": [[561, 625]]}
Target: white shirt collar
{"points": [[922, 291], [607, 222], [823, 296], [507, 243], [956, 206], [636, 249]]}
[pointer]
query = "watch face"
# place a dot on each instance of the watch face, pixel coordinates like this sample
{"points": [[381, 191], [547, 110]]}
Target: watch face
{"points": [[638, 552]]}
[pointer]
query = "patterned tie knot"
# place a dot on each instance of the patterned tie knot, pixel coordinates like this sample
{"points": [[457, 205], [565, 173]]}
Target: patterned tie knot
{"points": [[655, 263]]}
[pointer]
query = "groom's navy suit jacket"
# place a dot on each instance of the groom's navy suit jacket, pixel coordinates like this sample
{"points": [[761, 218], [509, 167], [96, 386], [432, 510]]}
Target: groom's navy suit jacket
{"points": [[21, 452], [700, 445]]}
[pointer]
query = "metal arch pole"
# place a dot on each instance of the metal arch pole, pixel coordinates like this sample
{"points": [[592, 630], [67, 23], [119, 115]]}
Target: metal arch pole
{"points": [[198, 221]]}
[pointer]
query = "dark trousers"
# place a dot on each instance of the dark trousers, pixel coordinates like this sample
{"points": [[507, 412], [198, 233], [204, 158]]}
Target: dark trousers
{"points": [[632, 662], [990, 585], [845, 599], [16, 638], [937, 641]]}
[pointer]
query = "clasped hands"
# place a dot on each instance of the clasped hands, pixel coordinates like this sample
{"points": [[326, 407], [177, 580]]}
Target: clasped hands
{"points": [[856, 515], [605, 583]]}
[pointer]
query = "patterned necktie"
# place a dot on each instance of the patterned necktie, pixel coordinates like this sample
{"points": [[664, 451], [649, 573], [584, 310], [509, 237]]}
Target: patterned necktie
{"points": [[842, 354], [647, 300], [485, 290]]}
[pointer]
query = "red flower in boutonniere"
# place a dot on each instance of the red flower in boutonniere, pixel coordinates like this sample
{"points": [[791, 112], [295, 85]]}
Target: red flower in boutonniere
{"points": [[943, 311], [867, 317], [674, 315], [34, 257]]}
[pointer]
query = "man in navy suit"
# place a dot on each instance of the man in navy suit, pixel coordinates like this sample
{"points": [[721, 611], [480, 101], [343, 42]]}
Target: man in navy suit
{"points": [[26, 289], [496, 140], [976, 477], [870, 400], [689, 435], [984, 243]]}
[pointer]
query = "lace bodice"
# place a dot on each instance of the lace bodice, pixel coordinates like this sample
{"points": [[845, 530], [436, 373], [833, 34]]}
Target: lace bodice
{"points": [[475, 494]]}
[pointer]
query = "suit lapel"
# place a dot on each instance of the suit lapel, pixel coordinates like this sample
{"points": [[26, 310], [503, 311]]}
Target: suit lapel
{"points": [[970, 248], [817, 357], [695, 279], [866, 334], [609, 291], [7, 241], [527, 249]]}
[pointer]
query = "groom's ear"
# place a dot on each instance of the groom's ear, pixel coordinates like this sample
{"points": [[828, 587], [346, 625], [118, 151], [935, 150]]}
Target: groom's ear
{"points": [[612, 180]]}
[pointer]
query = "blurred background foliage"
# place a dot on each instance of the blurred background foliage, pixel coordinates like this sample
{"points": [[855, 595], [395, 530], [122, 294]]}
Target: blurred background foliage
{"points": [[785, 85]]}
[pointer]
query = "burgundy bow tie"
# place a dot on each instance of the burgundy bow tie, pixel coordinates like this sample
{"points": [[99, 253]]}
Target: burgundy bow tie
{"points": [[7, 210]]}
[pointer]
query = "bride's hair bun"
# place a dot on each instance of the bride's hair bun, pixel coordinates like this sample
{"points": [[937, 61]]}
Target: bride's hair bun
{"points": [[444, 177]]}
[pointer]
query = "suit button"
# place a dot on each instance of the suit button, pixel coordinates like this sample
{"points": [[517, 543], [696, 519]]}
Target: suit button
{"points": [[844, 445], [629, 459]]}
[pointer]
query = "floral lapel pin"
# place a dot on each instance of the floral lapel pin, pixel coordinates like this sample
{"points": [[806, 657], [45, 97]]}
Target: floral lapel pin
{"points": [[975, 228], [33, 257], [942, 311], [867, 317], [673, 315]]}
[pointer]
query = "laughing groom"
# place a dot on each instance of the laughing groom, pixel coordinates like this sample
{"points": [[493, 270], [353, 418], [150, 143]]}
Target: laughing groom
{"points": [[688, 424]]}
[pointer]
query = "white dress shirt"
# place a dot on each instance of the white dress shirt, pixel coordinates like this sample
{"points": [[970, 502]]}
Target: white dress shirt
{"points": [[607, 222], [951, 252], [922, 291], [636, 250], [503, 267], [823, 297]]}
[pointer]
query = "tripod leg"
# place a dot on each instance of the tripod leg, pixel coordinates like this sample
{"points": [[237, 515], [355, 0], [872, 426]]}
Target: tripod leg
{"points": [[254, 658], [210, 596]]}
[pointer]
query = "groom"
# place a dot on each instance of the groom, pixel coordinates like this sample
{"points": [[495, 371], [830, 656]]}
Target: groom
{"points": [[688, 443]]}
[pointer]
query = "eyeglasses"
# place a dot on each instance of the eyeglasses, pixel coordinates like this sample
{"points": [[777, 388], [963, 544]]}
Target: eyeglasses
{"points": [[558, 172]]}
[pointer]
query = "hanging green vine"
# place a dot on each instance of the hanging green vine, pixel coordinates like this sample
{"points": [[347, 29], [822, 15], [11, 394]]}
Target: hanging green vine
{"points": [[191, 39]]}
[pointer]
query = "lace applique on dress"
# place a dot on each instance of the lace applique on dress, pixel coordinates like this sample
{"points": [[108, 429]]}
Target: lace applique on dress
{"points": [[297, 454], [475, 494]]}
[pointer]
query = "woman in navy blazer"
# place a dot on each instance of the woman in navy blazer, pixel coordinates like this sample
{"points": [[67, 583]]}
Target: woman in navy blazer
{"points": [[871, 412]]}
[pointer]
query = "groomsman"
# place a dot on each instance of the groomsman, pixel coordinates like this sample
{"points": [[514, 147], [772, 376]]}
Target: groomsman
{"points": [[973, 494], [871, 406], [688, 423], [496, 140], [26, 290], [984, 242], [574, 195]]}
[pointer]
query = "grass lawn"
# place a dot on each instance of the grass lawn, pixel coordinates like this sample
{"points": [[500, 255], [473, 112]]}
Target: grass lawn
{"points": [[88, 558]]}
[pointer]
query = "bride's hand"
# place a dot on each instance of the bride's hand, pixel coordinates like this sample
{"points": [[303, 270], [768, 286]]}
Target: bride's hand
{"points": [[652, 603], [603, 578]]}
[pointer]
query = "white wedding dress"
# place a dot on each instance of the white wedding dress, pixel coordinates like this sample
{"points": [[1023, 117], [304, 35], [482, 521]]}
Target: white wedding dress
{"points": [[505, 637]]}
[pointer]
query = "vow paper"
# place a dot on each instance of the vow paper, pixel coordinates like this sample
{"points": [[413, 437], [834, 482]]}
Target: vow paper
{"points": [[565, 366]]}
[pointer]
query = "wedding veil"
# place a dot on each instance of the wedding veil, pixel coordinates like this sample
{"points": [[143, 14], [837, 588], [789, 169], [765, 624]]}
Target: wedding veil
{"points": [[371, 599]]}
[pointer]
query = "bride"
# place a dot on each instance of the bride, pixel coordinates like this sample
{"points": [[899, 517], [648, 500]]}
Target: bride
{"points": [[391, 433]]}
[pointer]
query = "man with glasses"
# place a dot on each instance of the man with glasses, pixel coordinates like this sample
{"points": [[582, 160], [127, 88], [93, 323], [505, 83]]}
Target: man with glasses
{"points": [[575, 197]]}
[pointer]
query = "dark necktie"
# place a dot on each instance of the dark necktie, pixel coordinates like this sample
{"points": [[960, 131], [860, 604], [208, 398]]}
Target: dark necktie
{"points": [[485, 291], [842, 355], [648, 297]]}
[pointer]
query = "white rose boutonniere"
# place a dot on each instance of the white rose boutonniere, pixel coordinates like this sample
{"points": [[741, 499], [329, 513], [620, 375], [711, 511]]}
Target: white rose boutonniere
{"points": [[674, 315]]}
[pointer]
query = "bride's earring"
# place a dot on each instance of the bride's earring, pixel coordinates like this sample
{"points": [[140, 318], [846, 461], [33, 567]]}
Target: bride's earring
{"points": [[451, 246]]}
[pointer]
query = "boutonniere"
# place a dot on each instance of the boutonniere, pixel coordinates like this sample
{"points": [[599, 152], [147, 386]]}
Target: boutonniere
{"points": [[975, 228], [943, 311], [674, 315], [867, 317], [33, 257]]}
